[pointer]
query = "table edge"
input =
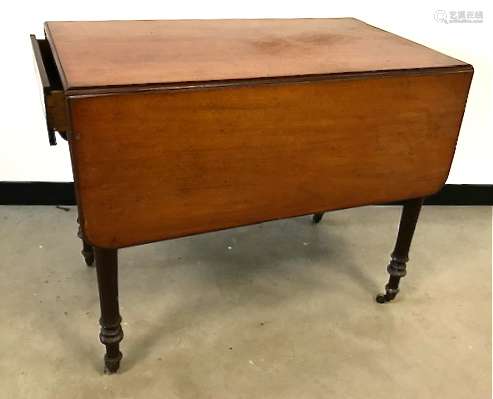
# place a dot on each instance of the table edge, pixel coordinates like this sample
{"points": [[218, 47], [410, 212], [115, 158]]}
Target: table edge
{"points": [[296, 79]]}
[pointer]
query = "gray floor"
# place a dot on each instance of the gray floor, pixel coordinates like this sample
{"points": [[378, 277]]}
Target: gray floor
{"points": [[278, 310]]}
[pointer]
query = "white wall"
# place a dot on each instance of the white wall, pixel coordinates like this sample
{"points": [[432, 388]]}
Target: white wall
{"points": [[24, 151]]}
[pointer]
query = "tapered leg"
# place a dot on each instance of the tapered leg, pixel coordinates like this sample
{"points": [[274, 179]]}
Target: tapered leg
{"points": [[111, 330], [399, 257], [88, 253], [87, 249], [317, 217]]}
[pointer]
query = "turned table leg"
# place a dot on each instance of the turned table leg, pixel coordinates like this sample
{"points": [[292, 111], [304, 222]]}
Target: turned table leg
{"points": [[111, 330], [317, 217], [399, 257], [87, 249]]}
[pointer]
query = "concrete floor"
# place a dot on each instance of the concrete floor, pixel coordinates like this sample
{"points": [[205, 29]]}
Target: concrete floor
{"points": [[278, 310]]}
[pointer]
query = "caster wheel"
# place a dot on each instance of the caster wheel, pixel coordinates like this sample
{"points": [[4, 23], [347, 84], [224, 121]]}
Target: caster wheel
{"points": [[384, 298], [111, 365], [111, 369], [381, 298]]}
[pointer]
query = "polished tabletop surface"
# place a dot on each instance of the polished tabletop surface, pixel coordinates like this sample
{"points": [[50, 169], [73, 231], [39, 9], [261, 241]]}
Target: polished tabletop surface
{"points": [[123, 53]]}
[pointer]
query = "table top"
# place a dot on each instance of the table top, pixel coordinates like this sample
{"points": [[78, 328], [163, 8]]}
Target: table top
{"points": [[102, 54]]}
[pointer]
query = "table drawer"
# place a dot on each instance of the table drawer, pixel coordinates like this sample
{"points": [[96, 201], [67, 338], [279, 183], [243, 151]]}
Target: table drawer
{"points": [[53, 94]]}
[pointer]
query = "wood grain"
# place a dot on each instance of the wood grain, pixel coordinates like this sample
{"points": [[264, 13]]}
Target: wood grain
{"points": [[120, 53], [152, 166]]}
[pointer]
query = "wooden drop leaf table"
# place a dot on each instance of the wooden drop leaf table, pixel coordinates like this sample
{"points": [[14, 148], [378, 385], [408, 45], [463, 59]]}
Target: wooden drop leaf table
{"points": [[183, 127]]}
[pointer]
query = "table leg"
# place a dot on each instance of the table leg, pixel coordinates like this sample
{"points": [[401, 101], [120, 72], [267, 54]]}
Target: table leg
{"points": [[399, 257], [87, 249], [88, 253], [111, 330], [317, 217]]}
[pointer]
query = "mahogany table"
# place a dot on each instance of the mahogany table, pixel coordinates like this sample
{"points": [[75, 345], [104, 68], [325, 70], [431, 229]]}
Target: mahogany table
{"points": [[184, 127]]}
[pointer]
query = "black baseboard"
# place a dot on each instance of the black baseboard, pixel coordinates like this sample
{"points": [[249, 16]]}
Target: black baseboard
{"points": [[36, 193], [48, 193]]}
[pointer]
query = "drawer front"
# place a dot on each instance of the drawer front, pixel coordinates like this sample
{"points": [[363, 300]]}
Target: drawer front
{"points": [[152, 166], [54, 98]]}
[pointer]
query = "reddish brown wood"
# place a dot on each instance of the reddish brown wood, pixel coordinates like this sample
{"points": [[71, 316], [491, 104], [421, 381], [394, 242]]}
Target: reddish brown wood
{"points": [[120, 53], [54, 97], [400, 254], [152, 166], [111, 332]]}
